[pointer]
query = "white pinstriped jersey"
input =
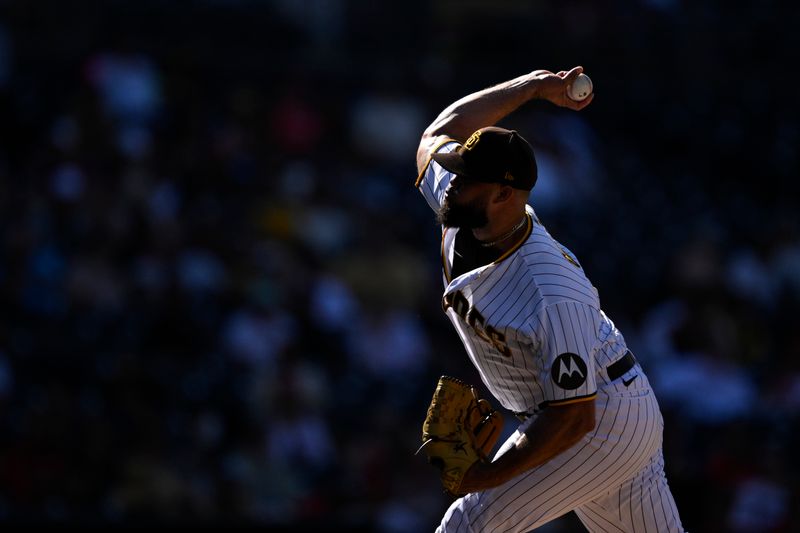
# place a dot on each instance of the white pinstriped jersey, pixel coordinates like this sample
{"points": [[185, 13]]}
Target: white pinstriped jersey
{"points": [[532, 325], [530, 321]]}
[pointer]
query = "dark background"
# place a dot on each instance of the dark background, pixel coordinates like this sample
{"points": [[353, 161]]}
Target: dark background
{"points": [[219, 291]]}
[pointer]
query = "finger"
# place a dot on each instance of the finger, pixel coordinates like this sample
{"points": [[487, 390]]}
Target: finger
{"points": [[561, 73], [575, 105], [572, 74], [585, 102]]}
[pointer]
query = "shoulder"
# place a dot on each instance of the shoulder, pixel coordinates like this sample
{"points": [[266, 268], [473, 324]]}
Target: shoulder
{"points": [[566, 315], [428, 146], [539, 245], [542, 251], [557, 275]]}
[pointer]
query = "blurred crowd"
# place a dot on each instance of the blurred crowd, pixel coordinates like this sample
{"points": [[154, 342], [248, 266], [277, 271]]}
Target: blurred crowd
{"points": [[220, 292]]}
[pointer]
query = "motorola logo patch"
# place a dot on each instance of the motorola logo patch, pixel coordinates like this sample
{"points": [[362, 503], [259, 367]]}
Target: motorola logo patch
{"points": [[568, 371]]}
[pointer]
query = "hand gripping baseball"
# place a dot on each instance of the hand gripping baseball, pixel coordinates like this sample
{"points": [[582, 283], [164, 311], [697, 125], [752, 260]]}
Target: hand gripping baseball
{"points": [[458, 431], [556, 87]]}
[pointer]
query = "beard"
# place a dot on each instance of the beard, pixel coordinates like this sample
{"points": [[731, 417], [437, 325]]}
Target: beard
{"points": [[470, 216]]}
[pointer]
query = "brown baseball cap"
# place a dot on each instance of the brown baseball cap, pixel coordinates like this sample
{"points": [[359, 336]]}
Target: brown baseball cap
{"points": [[493, 155]]}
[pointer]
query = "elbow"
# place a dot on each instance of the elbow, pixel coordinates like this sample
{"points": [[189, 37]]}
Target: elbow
{"points": [[587, 426], [586, 422], [445, 124], [574, 422], [578, 431], [574, 432]]}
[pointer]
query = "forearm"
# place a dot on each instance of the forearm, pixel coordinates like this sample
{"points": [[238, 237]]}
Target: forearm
{"points": [[484, 108], [487, 107], [551, 434]]}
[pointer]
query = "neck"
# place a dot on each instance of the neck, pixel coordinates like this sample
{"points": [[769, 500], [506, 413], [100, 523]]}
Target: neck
{"points": [[503, 234]]}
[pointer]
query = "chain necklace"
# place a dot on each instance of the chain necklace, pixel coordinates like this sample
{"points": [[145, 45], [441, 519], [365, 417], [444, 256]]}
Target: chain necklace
{"points": [[505, 236]]}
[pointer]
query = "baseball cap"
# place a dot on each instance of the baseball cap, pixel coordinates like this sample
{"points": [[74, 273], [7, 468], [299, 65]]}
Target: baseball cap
{"points": [[493, 155]]}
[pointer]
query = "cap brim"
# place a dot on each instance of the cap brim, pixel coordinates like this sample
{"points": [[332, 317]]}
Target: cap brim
{"points": [[452, 162]]}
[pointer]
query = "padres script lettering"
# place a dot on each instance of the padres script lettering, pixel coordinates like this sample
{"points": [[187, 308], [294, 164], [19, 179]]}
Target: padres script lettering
{"points": [[487, 332], [473, 140]]}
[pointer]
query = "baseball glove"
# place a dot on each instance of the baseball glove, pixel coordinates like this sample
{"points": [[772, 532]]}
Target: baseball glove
{"points": [[458, 431]]}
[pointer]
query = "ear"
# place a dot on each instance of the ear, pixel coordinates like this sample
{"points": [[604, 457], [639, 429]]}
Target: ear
{"points": [[503, 194]]}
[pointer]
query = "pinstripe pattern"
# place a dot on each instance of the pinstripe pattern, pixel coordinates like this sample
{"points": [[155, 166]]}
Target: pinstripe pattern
{"points": [[613, 479], [532, 325], [643, 503]]}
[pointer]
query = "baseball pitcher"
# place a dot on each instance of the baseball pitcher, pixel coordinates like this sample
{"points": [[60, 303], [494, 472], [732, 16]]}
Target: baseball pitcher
{"points": [[590, 439]]}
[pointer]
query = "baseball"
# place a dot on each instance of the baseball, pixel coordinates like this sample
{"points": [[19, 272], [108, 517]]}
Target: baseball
{"points": [[580, 88]]}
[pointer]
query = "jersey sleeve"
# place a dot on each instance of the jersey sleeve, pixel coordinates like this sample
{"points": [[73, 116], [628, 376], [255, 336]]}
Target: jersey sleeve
{"points": [[567, 335], [432, 182]]}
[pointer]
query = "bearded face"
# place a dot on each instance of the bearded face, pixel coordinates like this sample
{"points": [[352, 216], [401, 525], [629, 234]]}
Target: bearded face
{"points": [[469, 215]]}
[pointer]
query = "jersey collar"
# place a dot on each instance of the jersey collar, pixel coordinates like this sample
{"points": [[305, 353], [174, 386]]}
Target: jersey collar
{"points": [[467, 277]]}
